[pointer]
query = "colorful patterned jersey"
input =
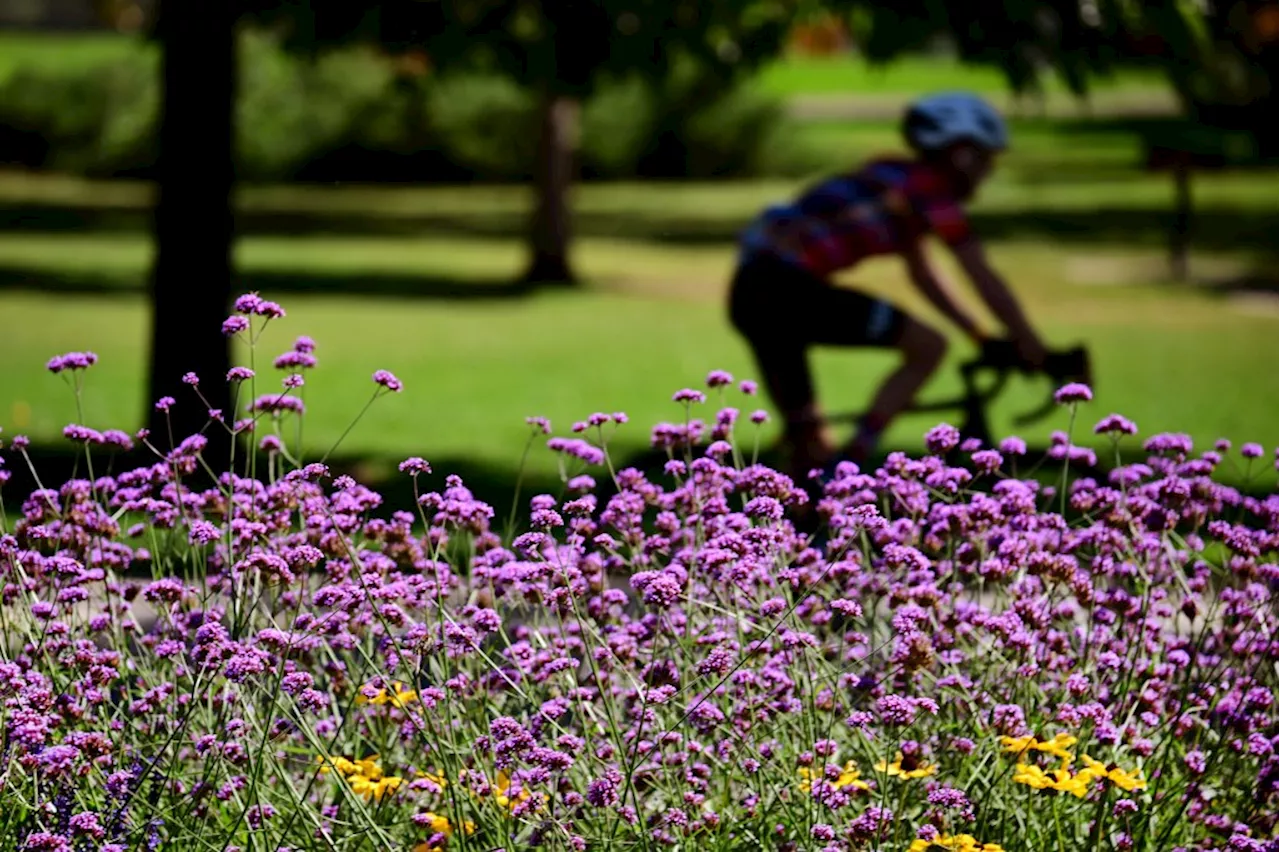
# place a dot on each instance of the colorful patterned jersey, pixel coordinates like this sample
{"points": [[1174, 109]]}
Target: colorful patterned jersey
{"points": [[880, 209]]}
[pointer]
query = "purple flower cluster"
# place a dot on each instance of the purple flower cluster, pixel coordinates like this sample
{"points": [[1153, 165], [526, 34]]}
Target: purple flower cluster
{"points": [[668, 661], [72, 361]]}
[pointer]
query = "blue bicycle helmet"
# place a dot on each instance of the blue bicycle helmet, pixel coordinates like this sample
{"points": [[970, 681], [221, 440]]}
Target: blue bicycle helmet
{"points": [[936, 121]]}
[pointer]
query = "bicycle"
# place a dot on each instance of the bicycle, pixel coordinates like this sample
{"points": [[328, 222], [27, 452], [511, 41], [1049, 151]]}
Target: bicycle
{"points": [[1062, 366]]}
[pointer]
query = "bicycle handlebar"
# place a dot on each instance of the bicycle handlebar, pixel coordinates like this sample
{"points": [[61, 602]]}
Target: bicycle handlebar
{"points": [[1062, 366]]}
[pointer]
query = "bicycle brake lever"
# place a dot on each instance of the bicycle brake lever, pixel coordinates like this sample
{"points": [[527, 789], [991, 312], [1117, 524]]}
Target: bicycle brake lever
{"points": [[1068, 365]]}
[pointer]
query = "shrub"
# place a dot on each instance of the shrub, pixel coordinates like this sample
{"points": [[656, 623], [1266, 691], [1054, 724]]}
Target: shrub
{"points": [[280, 660], [690, 125], [291, 109], [100, 120], [95, 121]]}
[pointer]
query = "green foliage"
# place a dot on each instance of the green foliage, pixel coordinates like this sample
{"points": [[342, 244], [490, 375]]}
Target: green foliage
{"points": [[94, 120], [289, 110], [569, 46], [346, 116], [1213, 54], [484, 124], [687, 125]]}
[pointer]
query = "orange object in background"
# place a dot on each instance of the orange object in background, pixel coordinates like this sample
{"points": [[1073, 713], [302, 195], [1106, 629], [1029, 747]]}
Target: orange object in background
{"points": [[125, 16], [822, 36], [414, 63], [1266, 22]]}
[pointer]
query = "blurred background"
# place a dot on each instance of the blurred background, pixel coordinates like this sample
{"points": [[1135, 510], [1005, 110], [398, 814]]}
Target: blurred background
{"points": [[530, 209]]}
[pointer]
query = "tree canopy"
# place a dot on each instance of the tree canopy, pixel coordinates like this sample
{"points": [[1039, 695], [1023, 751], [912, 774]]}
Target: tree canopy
{"points": [[565, 44]]}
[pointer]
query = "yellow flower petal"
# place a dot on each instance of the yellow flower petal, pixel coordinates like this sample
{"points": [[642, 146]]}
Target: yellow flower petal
{"points": [[1031, 775], [1127, 781], [1017, 745], [440, 823]]}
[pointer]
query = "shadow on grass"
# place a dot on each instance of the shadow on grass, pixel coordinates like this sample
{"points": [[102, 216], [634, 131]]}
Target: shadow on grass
{"points": [[1260, 280], [1218, 228], [373, 284], [1263, 280]]}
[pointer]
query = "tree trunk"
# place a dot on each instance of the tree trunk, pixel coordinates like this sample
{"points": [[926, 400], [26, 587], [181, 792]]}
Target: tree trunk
{"points": [[193, 221], [550, 226], [1180, 237]]}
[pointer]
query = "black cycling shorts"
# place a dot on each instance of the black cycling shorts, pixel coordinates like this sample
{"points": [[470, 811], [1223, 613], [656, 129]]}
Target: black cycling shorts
{"points": [[773, 302]]}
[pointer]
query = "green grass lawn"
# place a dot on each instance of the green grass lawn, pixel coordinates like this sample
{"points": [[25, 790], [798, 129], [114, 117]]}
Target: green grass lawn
{"points": [[649, 322]]}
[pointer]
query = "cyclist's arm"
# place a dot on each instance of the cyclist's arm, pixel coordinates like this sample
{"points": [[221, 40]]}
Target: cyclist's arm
{"points": [[936, 290], [999, 298]]}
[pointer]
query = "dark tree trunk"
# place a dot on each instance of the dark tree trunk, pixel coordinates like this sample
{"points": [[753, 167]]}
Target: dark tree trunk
{"points": [[550, 227], [193, 225], [1180, 238]]}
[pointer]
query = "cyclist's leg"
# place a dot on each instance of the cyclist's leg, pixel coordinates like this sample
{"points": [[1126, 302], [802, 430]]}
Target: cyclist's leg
{"points": [[784, 368], [922, 349], [770, 305], [852, 318]]}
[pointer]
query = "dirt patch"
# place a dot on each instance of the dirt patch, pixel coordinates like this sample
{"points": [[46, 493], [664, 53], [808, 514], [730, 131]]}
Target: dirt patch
{"points": [[1255, 304], [1207, 271]]}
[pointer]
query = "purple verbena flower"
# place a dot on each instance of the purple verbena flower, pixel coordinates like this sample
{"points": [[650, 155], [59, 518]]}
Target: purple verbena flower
{"points": [[234, 325], [71, 361], [689, 395], [387, 380], [1115, 424], [1073, 392]]}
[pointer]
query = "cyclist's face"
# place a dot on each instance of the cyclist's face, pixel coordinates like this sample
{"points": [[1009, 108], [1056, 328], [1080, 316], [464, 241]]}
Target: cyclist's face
{"points": [[971, 164]]}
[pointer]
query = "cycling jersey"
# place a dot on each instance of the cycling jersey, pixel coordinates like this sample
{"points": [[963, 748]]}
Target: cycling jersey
{"points": [[880, 209]]}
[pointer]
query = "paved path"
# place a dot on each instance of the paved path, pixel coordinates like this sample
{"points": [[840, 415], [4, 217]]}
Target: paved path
{"points": [[1117, 104]]}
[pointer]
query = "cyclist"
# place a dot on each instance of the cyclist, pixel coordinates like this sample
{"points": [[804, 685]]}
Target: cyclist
{"points": [[782, 300]]}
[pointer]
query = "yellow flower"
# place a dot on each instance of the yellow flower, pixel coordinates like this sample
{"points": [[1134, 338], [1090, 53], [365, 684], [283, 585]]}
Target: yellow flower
{"points": [[1061, 779], [849, 777], [912, 769], [370, 788], [1093, 768], [501, 789], [1032, 776], [369, 768], [1058, 746], [344, 766], [441, 824], [398, 697], [1126, 780], [954, 843], [1065, 782], [364, 776], [1123, 778], [1017, 745]]}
